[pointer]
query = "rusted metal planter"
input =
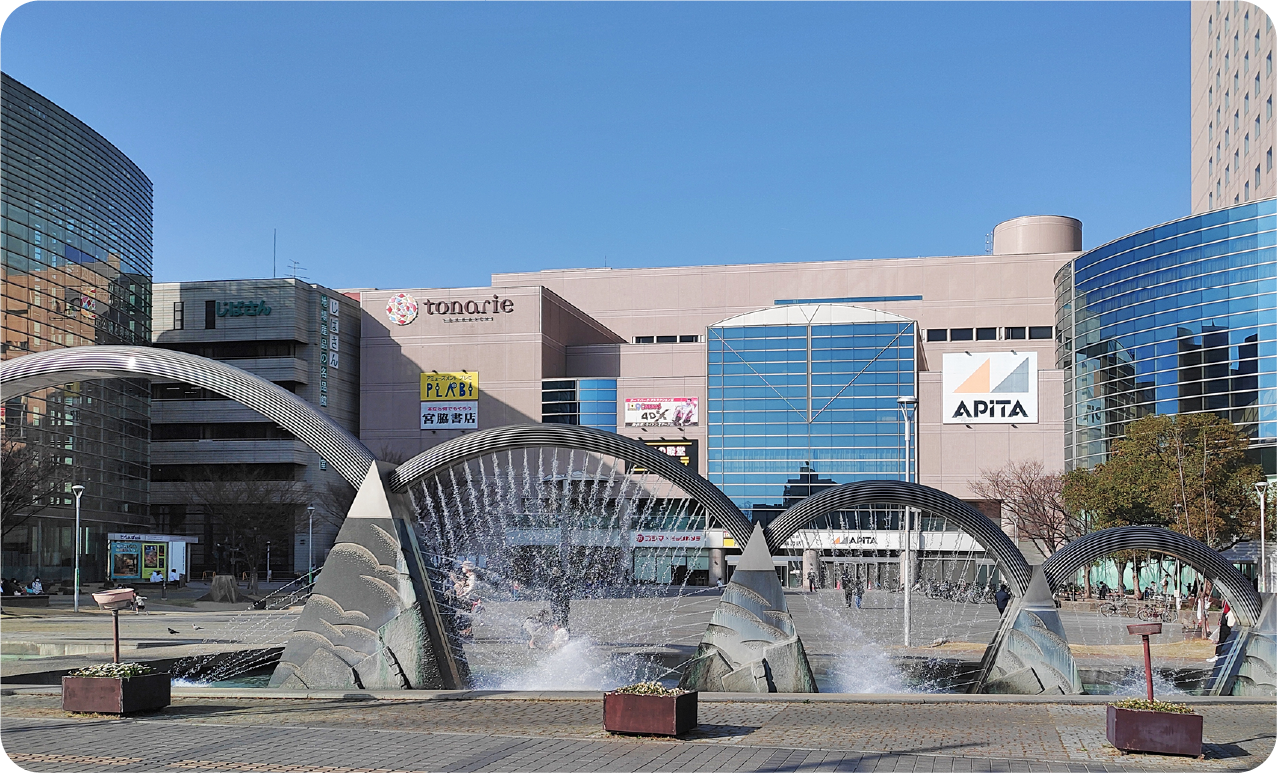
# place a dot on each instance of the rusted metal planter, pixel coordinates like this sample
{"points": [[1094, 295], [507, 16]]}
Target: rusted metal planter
{"points": [[649, 714], [113, 695], [1155, 731]]}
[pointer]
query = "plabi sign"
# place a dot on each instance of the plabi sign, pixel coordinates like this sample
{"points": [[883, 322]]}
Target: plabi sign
{"points": [[991, 388]]}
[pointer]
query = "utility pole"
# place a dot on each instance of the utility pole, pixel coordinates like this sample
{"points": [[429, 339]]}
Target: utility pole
{"points": [[77, 489], [1261, 488]]}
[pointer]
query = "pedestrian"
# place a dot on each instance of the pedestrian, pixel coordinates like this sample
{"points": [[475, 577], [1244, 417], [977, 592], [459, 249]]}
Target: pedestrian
{"points": [[848, 592], [534, 626], [858, 593], [514, 590], [1001, 598], [811, 582]]}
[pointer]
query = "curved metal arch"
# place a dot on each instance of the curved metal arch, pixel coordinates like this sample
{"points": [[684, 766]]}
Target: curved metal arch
{"points": [[897, 492], [467, 447], [330, 440], [1062, 564]]}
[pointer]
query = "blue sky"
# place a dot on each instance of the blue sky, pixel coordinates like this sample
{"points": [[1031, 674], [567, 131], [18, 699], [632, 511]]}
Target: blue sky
{"points": [[432, 144]]}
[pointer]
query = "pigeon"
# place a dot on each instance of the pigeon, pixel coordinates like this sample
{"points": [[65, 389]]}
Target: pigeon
{"points": [[197, 627], [172, 631]]}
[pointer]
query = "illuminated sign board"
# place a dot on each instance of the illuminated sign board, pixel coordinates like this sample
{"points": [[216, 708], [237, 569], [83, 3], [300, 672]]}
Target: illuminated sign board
{"points": [[450, 400], [662, 411], [991, 388]]}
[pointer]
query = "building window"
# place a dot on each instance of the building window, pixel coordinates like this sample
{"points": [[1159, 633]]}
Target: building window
{"points": [[1256, 128], [1247, 190], [1210, 96], [689, 339], [986, 334], [644, 339], [1210, 132], [1268, 64], [961, 334], [210, 315], [667, 339], [1257, 178], [1268, 108], [1256, 85], [1237, 121], [1268, 160], [1225, 138], [938, 334], [1246, 144], [1210, 201], [1015, 333], [1237, 162], [1041, 331], [1210, 167], [586, 402], [1228, 177], [179, 315], [1246, 104]]}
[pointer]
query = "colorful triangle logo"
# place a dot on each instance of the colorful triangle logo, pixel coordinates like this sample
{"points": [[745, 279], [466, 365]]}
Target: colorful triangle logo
{"points": [[977, 382]]}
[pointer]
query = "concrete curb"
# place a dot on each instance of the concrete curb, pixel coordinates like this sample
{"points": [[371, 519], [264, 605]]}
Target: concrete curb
{"points": [[266, 693]]}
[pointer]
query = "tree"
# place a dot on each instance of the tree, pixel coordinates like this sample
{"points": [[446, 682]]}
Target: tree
{"points": [[30, 479], [1188, 472], [1035, 499], [246, 511]]}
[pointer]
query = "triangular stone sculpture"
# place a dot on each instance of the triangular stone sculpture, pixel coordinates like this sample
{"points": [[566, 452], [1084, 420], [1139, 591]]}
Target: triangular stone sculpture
{"points": [[1030, 654], [371, 621], [751, 644]]}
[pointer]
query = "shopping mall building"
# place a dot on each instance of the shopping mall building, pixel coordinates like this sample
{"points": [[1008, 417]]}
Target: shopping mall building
{"points": [[771, 380]]}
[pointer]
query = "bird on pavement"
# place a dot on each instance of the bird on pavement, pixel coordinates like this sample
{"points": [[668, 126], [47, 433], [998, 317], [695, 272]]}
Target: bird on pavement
{"points": [[197, 627], [172, 631]]}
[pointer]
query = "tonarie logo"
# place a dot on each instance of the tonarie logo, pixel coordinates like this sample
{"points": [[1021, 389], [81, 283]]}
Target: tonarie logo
{"points": [[1000, 389]]}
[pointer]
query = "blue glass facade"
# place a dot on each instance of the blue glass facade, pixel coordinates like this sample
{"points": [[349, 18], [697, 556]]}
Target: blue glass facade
{"points": [[797, 407], [1179, 318], [586, 402]]}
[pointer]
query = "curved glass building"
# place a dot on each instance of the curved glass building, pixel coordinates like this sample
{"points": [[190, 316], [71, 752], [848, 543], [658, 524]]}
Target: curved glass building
{"points": [[76, 271], [1179, 318]]}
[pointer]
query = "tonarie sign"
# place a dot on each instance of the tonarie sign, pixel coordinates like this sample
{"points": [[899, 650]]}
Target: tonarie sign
{"points": [[493, 305]]}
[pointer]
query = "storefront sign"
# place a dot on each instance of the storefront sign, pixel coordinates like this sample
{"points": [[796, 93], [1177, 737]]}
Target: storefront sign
{"points": [[656, 539], [991, 388], [662, 412], [681, 450], [126, 559], [401, 308], [242, 308], [494, 305], [435, 415], [450, 386]]}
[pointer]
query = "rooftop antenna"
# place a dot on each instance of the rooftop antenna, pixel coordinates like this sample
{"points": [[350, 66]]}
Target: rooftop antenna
{"points": [[274, 241], [988, 243], [294, 266]]}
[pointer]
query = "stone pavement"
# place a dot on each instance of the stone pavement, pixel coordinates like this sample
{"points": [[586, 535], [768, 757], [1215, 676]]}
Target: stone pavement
{"points": [[361, 733]]}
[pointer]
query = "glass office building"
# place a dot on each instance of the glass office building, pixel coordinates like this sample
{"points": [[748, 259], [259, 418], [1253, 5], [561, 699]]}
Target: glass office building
{"points": [[1179, 318], [586, 402], [77, 271], [802, 397]]}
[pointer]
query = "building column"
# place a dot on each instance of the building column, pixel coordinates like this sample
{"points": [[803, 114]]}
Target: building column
{"points": [[811, 563], [717, 565]]}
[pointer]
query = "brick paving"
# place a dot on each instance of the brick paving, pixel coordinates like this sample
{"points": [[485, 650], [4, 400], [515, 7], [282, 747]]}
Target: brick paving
{"points": [[345, 736]]}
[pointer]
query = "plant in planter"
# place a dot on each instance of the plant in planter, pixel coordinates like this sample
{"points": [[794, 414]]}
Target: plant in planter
{"points": [[1139, 725], [648, 708], [115, 688]]}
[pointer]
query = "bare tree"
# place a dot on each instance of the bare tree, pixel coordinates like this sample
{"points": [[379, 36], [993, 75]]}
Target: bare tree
{"points": [[246, 511], [1034, 498], [30, 478]]}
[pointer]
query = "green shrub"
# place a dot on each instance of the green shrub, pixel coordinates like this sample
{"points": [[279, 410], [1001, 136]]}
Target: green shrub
{"points": [[1141, 704], [114, 670]]}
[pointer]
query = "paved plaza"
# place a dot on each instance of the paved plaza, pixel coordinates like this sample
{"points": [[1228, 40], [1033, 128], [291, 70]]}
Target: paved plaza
{"points": [[563, 731]]}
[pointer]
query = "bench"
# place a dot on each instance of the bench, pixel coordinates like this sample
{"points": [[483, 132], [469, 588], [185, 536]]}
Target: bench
{"points": [[28, 601]]}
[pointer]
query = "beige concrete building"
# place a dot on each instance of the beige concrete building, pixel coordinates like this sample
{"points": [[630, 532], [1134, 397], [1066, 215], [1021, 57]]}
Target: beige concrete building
{"points": [[301, 336], [649, 330], [1232, 132]]}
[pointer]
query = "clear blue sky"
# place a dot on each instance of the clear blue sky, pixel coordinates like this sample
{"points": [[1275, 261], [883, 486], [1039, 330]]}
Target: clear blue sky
{"points": [[432, 144]]}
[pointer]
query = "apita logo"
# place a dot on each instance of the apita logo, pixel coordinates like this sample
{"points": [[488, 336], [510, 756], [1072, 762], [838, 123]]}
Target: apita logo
{"points": [[999, 388]]}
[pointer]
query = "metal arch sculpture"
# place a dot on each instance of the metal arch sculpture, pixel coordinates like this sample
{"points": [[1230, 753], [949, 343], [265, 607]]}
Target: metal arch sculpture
{"points": [[330, 440], [484, 442], [896, 492], [1059, 568]]}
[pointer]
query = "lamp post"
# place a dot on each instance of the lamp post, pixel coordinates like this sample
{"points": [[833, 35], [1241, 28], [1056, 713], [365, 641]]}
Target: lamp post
{"points": [[1261, 488], [267, 561], [77, 489], [907, 406], [310, 543]]}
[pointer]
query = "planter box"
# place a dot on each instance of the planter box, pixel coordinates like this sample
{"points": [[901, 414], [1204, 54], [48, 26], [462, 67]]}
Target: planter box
{"points": [[104, 695], [649, 714], [1155, 731]]}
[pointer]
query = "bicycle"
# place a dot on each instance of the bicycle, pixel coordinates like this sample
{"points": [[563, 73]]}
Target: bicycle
{"points": [[1162, 612], [1122, 608]]}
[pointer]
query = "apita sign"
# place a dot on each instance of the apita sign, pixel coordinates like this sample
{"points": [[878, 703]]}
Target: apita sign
{"points": [[991, 388]]}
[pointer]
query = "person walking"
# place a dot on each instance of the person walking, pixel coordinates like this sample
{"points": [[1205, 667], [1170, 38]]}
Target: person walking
{"points": [[1002, 597], [811, 582], [848, 591], [859, 592]]}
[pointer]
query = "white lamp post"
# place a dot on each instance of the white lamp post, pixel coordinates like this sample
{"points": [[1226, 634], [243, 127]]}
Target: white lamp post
{"points": [[907, 405], [1261, 488], [310, 542], [77, 489]]}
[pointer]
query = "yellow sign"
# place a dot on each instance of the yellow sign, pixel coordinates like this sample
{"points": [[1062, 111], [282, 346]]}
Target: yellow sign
{"points": [[449, 386]]}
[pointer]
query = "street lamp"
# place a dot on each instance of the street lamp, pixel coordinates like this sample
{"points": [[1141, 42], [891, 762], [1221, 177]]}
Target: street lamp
{"points": [[77, 489], [310, 542], [907, 405], [267, 560], [1261, 488]]}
